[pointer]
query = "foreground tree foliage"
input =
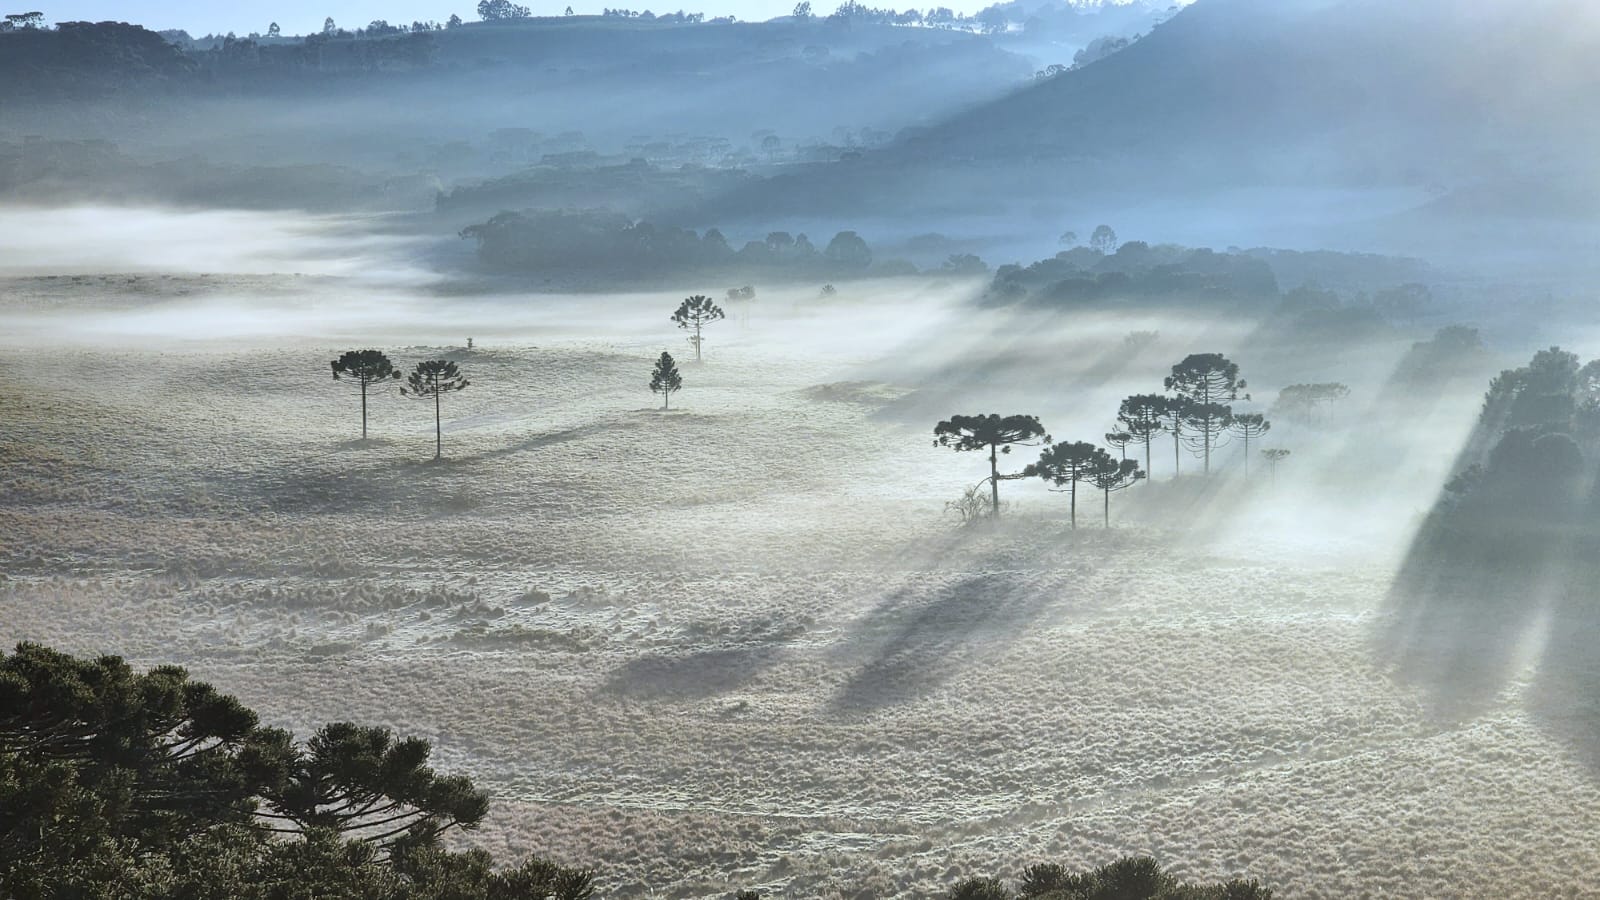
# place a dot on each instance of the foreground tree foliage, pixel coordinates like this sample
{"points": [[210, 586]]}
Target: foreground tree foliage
{"points": [[365, 368], [120, 784], [994, 433], [1132, 878]]}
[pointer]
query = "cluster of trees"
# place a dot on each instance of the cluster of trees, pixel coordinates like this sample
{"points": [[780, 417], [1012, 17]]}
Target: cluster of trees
{"points": [[429, 380], [115, 783], [499, 10], [1103, 271], [1130, 878], [679, 17], [850, 11], [1097, 49], [21, 21], [1196, 411], [1066, 465], [1133, 271], [693, 314], [1539, 426], [599, 241]]}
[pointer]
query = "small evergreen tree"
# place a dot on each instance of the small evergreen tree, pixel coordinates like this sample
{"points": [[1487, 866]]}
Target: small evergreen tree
{"points": [[665, 380], [366, 368], [435, 378], [697, 312]]}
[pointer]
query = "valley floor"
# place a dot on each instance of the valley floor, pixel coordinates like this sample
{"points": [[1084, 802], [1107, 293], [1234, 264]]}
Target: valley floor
{"points": [[741, 643]]}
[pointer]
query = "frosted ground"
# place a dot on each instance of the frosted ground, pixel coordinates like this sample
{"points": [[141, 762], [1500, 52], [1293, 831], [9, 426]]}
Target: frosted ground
{"points": [[741, 643]]}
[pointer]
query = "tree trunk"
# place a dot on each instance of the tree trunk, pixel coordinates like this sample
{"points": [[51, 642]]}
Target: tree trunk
{"points": [[1108, 507], [1205, 439], [697, 342], [438, 430], [1072, 496], [1147, 473], [1177, 460], [363, 409], [994, 482], [1247, 454]]}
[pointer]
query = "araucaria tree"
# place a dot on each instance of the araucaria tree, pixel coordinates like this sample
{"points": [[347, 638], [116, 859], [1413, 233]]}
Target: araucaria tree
{"points": [[1117, 476], [1174, 416], [1209, 381], [435, 378], [1274, 456], [697, 312], [665, 380], [1249, 427], [365, 368], [1068, 463], [1142, 416], [1120, 440], [994, 433], [1208, 425]]}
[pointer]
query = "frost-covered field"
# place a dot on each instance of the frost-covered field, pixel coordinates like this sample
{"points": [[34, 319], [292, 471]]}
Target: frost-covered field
{"points": [[740, 643]]}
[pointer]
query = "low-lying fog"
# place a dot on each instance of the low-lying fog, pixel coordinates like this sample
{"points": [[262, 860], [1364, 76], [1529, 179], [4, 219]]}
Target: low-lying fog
{"points": [[751, 621]]}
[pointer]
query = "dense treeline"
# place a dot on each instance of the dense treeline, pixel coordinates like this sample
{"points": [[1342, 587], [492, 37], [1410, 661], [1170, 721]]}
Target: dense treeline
{"points": [[1132, 878], [610, 243]]}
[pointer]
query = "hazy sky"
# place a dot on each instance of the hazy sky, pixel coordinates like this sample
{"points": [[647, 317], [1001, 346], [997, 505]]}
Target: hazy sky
{"points": [[301, 16]]}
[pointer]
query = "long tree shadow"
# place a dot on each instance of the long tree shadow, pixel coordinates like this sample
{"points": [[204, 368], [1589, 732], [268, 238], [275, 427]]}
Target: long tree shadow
{"points": [[693, 676], [917, 639]]}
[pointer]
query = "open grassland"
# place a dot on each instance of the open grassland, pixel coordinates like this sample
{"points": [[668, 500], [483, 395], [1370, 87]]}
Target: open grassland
{"points": [[741, 643]]}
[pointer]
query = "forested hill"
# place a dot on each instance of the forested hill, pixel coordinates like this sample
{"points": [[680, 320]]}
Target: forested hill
{"points": [[1433, 96]]}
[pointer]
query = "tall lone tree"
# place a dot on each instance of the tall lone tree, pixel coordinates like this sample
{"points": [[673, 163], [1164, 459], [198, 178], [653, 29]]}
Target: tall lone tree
{"points": [[697, 312], [1119, 475], [665, 380], [1249, 427], [994, 433], [1067, 464], [1208, 381], [1142, 416], [435, 378], [365, 368]]}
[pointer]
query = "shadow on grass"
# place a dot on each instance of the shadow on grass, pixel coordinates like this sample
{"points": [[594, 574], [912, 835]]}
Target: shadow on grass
{"points": [[916, 640]]}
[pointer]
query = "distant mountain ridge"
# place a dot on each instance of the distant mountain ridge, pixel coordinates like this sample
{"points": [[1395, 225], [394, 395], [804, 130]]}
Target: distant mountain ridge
{"points": [[1429, 96]]}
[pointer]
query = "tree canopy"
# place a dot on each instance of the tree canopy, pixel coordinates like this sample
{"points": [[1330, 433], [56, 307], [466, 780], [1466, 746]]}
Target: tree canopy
{"points": [[993, 432], [120, 783]]}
